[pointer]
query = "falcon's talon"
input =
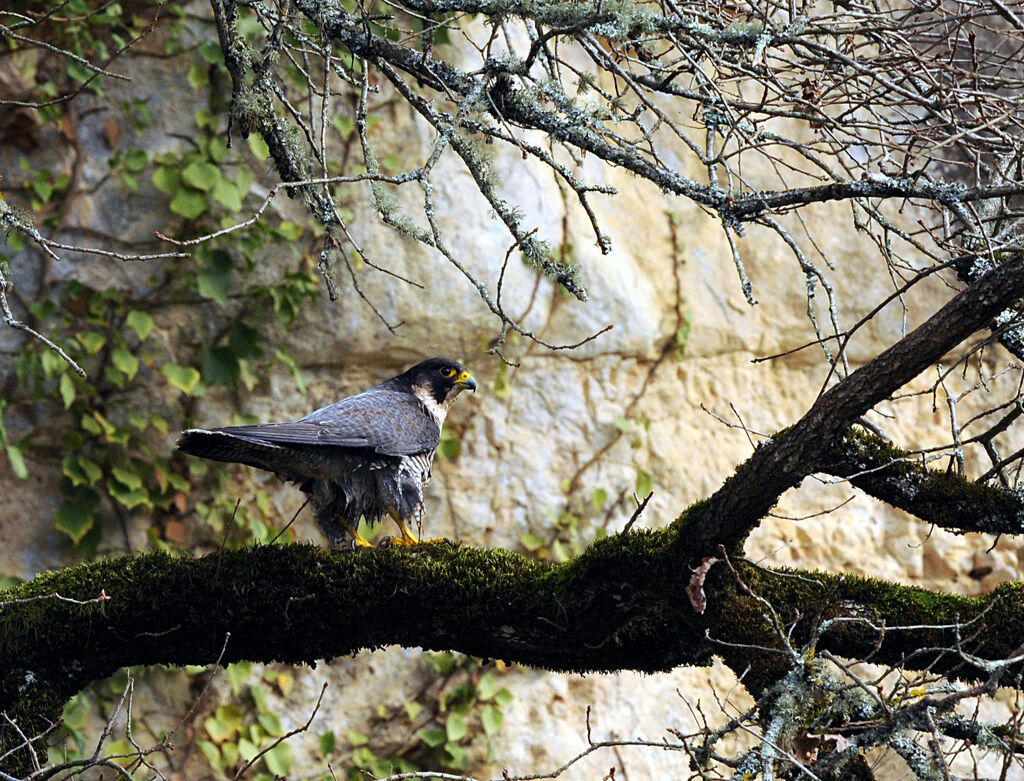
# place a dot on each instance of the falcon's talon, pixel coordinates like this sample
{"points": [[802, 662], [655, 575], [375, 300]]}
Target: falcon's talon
{"points": [[362, 457], [358, 540]]}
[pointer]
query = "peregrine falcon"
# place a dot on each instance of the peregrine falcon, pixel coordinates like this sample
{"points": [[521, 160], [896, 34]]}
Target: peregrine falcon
{"points": [[368, 455]]}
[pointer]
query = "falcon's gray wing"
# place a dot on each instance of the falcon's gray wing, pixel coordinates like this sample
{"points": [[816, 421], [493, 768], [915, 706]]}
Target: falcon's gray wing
{"points": [[389, 422]]}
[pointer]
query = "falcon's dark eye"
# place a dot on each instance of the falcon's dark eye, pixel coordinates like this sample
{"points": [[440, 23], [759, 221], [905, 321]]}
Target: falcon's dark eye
{"points": [[447, 371]]}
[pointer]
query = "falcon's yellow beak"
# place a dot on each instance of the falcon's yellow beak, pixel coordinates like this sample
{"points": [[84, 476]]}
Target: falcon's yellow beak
{"points": [[466, 381]]}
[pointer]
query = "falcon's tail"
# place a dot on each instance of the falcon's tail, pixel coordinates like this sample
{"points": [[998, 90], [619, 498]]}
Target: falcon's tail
{"points": [[223, 445]]}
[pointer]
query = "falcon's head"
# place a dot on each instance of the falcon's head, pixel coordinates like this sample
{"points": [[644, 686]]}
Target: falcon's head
{"points": [[437, 382]]}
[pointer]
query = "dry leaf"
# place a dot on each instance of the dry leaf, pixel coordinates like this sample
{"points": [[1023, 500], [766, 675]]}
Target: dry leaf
{"points": [[695, 589]]}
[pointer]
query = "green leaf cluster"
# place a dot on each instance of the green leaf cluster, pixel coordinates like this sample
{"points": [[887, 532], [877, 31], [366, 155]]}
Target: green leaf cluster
{"points": [[462, 704], [236, 733], [105, 450], [196, 181]]}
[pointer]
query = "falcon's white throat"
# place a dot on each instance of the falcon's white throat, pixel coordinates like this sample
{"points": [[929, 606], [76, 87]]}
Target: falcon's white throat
{"points": [[437, 411]]}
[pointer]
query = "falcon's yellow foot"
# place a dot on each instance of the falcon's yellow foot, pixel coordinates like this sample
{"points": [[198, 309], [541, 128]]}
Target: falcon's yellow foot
{"points": [[408, 538], [358, 540]]}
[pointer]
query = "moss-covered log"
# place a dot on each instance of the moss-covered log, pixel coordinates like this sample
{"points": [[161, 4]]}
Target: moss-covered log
{"points": [[620, 605]]}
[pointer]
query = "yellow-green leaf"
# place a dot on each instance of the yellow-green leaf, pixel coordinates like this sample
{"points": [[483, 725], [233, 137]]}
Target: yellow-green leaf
{"points": [[167, 179], [67, 390], [492, 718], [188, 203], [124, 362], [17, 459], [456, 728], [141, 323], [271, 724], [201, 175], [184, 378], [279, 759], [92, 342]]}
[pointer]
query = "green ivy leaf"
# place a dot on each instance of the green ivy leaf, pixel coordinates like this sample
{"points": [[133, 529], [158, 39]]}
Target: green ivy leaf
{"points": [[326, 744], [244, 341], [212, 754], [198, 77], [79, 72], [129, 498], [236, 674], [271, 724], [74, 518], [67, 390], [17, 459], [127, 478], [456, 727], [206, 119], [211, 52], [503, 697], [279, 759], [487, 686], [217, 147], [92, 342], [124, 362], [141, 323], [188, 203], [258, 147], [220, 367], [184, 378], [226, 193], [214, 282], [218, 730], [167, 179], [458, 757], [73, 470], [356, 738], [136, 159], [644, 484], [491, 718], [247, 750], [531, 541], [258, 694], [432, 737], [201, 175]]}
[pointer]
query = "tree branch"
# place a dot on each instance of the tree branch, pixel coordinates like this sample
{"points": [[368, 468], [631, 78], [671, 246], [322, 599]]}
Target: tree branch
{"points": [[896, 477], [620, 605], [784, 461]]}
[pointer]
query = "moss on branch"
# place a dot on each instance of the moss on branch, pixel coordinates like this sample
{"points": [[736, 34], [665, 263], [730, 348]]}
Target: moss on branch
{"points": [[620, 605], [886, 472]]}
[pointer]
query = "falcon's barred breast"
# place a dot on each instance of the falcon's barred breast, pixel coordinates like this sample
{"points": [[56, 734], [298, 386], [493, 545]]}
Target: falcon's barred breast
{"points": [[366, 456]]}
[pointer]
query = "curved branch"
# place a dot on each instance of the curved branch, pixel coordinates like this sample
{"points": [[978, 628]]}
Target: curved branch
{"points": [[784, 461]]}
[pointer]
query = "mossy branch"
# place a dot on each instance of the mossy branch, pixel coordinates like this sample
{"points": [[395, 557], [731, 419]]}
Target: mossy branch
{"points": [[622, 604], [884, 471]]}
